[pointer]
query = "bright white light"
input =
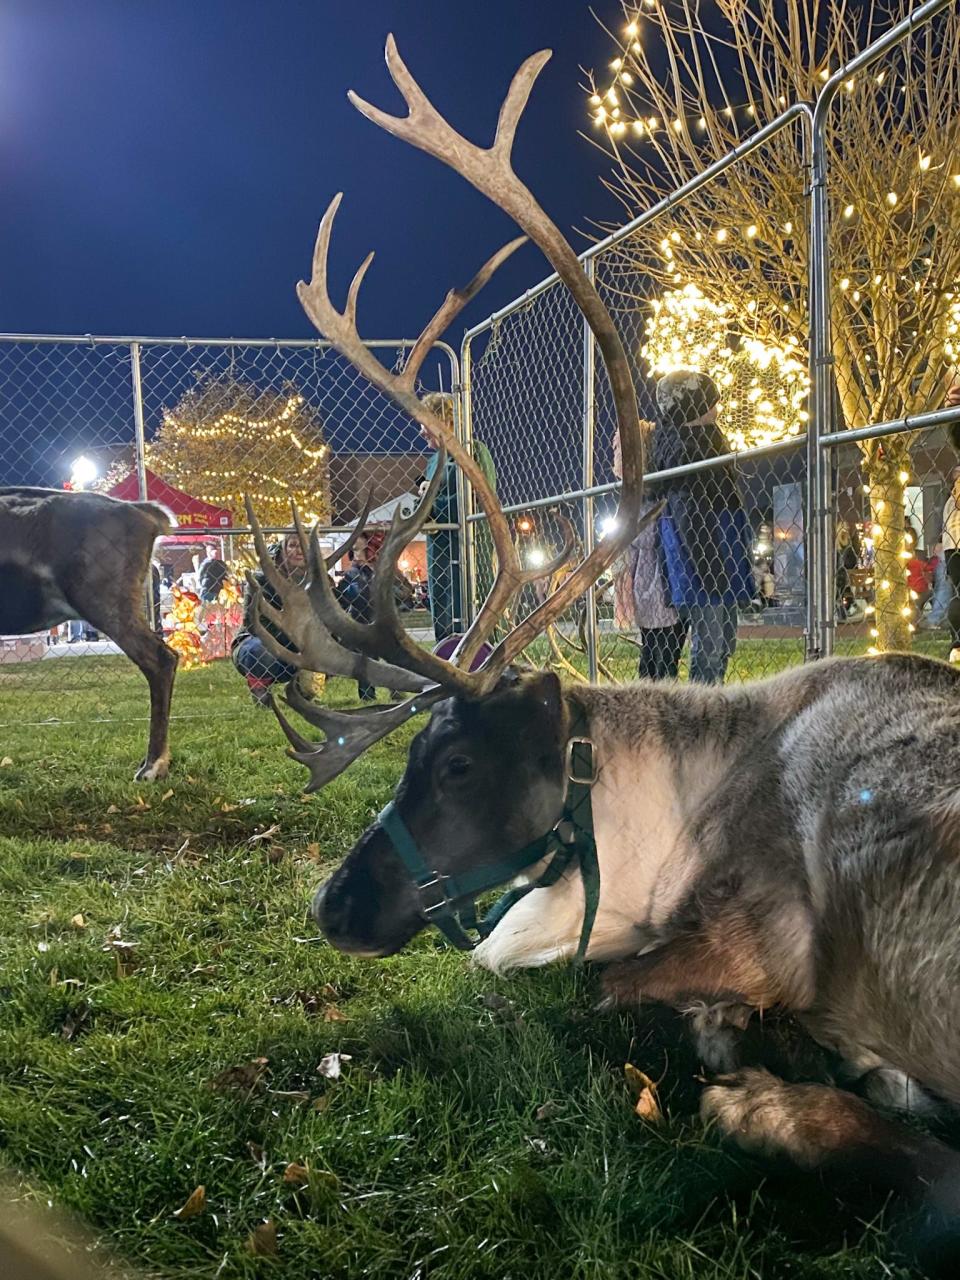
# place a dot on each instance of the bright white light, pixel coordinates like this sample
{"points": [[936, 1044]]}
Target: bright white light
{"points": [[536, 559], [762, 549], [608, 526], [83, 472]]}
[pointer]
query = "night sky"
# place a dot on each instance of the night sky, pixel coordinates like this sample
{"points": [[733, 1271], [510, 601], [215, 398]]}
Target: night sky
{"points": [[165, 162]]}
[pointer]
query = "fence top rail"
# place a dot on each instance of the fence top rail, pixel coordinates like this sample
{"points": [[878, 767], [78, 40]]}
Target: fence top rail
{"points": [[100, 340], [912, 422], [915, 18], [799, 110]]}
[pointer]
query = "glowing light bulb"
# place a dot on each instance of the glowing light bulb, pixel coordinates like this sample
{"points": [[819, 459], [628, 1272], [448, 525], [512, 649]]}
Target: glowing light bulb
{"points": [[788, 228], [722, 235], [631, 29], [903, 477], [924, 163], [849, 211], [595, 99], [845, 282], [678, 125], [702, 122], [616, 64], [751, 231], [892, 198]]}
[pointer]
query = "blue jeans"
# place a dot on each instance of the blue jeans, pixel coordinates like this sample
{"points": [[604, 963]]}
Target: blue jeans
{"points": [[443, 573], [713, 640], [942, 594], [251, 657]]}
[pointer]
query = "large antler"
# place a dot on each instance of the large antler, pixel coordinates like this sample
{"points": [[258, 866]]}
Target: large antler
{"points": [[385, 640], [489, 170]]}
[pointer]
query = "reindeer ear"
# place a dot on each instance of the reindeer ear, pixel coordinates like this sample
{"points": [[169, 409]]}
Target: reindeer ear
{"points": [[546, 688]]}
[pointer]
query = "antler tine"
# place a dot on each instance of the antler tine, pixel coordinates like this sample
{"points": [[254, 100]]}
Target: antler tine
{"points": [[347, 546], [452, 305], [318, 648], [347, 735]]}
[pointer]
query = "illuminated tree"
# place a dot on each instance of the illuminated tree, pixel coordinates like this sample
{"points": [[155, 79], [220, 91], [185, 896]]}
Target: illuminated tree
{"points": [[764, 387], [687, 84], [225, 439]]}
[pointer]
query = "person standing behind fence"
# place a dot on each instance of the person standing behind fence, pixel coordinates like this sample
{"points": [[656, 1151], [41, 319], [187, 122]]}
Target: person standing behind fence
{"points": [[443, 547], [642, 593], [704, 532]]}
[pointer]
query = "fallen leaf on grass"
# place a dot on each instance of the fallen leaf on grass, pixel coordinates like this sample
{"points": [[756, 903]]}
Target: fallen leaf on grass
{"points": [[6, 762], [246, 1075], [262, 1240], [113, 809], [195, 1203], [78, 921], [547, 1111], [313, 852], [332, 1014], [296, 1175], [330, 1065], [290, 1095], [166, 795], [647, 1105]]}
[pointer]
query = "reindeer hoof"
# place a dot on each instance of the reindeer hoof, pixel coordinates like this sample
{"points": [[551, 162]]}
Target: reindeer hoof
{"points": [[806, 1124], [153, 771]]}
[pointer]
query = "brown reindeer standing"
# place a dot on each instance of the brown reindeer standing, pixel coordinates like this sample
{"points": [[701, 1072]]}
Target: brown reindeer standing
{"points": [[791, 843], [86, 556]]}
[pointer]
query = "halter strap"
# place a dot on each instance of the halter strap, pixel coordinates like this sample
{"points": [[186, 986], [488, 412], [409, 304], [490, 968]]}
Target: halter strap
{"points": [[448, 901]]}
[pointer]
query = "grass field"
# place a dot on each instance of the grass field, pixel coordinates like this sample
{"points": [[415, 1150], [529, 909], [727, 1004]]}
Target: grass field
{"points": [[166, 1004]]}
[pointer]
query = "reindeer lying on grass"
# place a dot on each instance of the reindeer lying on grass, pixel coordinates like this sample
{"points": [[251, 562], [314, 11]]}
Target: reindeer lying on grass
{"points": [[86, 556], [792, 843]]}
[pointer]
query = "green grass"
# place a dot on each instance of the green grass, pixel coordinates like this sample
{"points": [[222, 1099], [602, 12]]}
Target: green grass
{"points": [[428, 1158]]}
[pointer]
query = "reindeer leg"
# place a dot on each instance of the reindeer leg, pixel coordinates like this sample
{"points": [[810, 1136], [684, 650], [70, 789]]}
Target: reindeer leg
{"points": [[716, 986], [147, 651], [818, 1127]]}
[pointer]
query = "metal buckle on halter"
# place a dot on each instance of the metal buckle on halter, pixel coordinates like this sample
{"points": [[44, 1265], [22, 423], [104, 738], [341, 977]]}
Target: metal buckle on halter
{"points": [[572, 775], [439, 882]]}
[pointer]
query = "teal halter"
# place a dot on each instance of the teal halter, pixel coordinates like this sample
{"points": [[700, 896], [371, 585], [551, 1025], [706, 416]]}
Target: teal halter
{"points": [[448, 901]]}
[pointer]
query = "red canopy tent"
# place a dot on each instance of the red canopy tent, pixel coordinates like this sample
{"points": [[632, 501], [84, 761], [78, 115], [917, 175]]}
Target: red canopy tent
{"points": [[193, 515]]}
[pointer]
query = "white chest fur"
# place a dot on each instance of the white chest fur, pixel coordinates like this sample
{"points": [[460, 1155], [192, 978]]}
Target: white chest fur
{"points": [[646, 866]]}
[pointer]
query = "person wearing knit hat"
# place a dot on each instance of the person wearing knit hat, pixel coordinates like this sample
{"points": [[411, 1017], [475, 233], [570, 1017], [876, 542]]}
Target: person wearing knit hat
{"points": [[705, 536]]}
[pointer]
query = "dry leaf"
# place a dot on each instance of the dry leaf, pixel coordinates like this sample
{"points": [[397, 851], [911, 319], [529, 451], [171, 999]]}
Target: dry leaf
{"points": [[228, 808], [113, 809], [296, 1175], [141, 803], [330, 1065], [332, 1014], [196, 1203], [313, 852], [166, 795], [262, 1241], [6, 762], [247, 1075], [78, 921], [547, 1111], [321, 1103], [647, 1105], [331, 991]]}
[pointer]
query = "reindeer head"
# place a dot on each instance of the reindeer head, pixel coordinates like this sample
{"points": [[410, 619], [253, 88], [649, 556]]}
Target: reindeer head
{"points": [[486, 776]]}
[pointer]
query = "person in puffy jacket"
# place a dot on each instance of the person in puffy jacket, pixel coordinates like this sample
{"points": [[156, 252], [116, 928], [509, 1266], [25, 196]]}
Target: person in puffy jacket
{"points": [[705, 536]]}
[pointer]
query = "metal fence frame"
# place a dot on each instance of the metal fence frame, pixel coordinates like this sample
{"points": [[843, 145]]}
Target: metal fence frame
{"points": [[822, 436]]}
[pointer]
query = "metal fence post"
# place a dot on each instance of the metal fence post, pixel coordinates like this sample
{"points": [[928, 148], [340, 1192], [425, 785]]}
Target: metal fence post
{"points": [[139, 439], [140, 461], [468, 551], [819, 617], [589, 427]]}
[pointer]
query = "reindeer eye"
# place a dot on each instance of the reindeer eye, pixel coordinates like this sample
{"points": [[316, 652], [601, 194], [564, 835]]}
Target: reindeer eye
{"points": [[459, 766]]}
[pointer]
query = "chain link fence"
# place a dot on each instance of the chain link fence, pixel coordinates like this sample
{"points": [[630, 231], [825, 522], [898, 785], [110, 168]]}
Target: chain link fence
{"points": [[717, 589], [196, 425]]}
